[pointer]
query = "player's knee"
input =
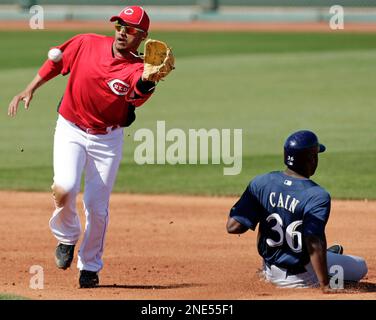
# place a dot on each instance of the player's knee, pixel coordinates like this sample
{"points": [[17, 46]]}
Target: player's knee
{"points": [[356, 270], [59, 195], [362, 268]]}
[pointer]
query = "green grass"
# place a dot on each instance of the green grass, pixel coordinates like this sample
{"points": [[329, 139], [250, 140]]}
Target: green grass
{"points": [[11, 297], [29, 48], [264, 83]]}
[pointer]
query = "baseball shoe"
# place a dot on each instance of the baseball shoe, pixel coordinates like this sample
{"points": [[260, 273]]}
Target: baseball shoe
{"points": [[64, 255], [88, 279], [337, 248]]}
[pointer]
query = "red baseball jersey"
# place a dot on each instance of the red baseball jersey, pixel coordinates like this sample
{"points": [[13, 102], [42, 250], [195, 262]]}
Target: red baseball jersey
{"points": [[101, 86]]}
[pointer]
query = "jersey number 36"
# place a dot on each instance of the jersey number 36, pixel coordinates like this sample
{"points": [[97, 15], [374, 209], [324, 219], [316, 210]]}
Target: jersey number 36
{"points": [[293, 237]]}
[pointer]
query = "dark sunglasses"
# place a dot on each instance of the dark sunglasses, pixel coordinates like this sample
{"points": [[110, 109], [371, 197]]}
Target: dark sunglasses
{"points": [[128, 29]]}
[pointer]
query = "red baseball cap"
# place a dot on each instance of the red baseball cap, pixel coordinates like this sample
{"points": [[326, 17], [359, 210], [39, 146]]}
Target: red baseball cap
{"points": [[135, 16]]}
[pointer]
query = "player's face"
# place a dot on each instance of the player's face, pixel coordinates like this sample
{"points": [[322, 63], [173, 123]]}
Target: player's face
{"points": [[128, 38], [314, 162]]}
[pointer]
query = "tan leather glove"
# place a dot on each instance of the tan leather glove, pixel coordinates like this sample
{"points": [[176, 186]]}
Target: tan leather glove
{"points": [[159, 60]]}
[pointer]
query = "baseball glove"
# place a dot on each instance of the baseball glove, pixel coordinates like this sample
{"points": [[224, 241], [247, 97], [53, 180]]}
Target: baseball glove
{"points": [[159, 60]]}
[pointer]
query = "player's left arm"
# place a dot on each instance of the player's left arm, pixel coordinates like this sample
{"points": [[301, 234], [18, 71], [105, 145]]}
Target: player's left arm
{"points": [[141, 90], [235, 227], [244, 215], [144, 87]]}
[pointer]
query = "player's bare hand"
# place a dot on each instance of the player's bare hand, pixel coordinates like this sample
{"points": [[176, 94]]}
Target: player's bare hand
{"points": [[328, 290], [24, 96]]}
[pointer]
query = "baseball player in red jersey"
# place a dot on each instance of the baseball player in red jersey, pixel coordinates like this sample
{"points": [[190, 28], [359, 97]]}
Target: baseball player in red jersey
{"points": [[107, 81]]}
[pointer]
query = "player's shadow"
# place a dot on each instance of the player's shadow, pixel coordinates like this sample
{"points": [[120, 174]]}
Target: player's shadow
{"points": [[363, 286], [151, 287]]}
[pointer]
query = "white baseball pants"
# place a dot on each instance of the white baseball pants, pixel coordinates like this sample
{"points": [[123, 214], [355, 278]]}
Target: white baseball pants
{"points": [[98, 156], [354, 269]]}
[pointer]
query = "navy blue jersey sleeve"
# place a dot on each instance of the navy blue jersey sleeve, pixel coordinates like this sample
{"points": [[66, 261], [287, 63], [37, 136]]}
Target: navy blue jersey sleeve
{"points": [[247, 210], [316, 215]]}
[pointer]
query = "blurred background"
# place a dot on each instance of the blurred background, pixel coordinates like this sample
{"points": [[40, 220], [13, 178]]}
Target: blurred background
{"points": [[267, 67], [195, 10]]}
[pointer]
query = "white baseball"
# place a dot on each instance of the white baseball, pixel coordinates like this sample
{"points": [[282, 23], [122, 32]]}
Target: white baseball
{"points": [[55, 55]]}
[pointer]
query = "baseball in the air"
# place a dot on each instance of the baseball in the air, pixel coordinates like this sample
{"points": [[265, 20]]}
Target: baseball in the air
{"points": [[55, 55]]}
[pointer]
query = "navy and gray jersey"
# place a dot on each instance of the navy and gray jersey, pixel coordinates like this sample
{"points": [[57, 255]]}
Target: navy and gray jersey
{"points": [[287, 209]]}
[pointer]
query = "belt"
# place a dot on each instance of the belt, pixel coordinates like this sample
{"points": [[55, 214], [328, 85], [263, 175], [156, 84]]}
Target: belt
{"points": [[291, 270], [97, 130]]}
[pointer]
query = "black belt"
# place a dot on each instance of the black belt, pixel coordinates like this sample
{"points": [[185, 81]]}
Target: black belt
{"points": [[291, 270]]}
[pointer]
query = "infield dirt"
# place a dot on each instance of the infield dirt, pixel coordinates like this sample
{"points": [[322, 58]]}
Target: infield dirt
{"points": [[166, 247]]}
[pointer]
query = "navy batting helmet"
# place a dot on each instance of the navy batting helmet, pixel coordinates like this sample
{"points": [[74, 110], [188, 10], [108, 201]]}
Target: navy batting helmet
{"points": [[298, 148]]}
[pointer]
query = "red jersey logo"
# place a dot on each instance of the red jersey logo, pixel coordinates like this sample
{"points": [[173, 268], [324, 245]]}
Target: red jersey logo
{"points": [[118, 87]]}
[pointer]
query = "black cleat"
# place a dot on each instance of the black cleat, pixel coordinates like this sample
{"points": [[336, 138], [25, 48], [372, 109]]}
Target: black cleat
{"points": [[337, 248], [64, 255], [88, 279]]}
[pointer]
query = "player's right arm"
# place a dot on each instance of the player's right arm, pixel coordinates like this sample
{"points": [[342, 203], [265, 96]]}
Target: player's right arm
{"points": [[25, 95], [314, 222], [48, 71], [316, 247]]}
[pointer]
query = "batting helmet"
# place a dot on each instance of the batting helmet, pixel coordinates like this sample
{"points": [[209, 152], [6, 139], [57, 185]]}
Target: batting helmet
{"points": [[298, 147]]}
